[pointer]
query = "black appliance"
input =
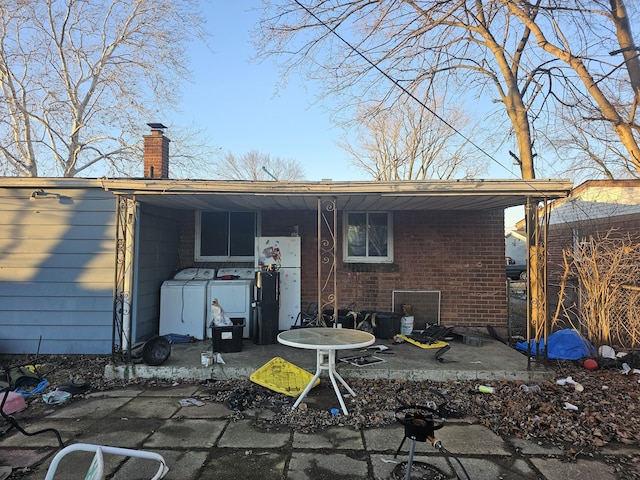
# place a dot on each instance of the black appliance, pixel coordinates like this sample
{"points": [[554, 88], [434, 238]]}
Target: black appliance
{"points": [[267, 307]]}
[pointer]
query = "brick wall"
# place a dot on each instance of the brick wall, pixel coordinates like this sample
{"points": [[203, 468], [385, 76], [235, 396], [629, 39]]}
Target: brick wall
{"points": [[156, 155], [460, 254]]}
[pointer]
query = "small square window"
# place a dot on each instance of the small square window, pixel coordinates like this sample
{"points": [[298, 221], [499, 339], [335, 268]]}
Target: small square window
{"points": [[368, 237]]}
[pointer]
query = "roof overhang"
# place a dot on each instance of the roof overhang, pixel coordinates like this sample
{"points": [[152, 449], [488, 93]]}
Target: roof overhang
{"points": [[472, 194]]}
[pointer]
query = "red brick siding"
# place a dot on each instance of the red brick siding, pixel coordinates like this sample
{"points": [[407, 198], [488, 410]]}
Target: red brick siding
{"points": [[156, 155], [459, 253]]}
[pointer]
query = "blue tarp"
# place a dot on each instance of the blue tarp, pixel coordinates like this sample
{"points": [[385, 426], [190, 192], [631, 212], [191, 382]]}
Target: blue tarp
{"points": [[563, 345]]}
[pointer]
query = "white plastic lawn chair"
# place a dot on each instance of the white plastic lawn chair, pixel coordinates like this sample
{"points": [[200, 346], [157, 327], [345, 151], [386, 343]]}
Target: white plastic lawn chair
{"points": [[96, 469]]}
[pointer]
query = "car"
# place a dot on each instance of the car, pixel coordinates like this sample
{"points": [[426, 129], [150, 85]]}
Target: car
{"points": [[516, 271]]}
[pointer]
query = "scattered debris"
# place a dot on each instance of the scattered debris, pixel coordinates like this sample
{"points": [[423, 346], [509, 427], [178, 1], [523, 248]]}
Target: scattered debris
{"points": [[530, 389], [56, 397], [609, 410], [188, 402]]}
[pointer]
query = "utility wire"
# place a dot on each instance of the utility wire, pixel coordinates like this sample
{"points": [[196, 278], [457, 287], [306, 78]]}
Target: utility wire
{"points": [[404, 90], [421, 103]]}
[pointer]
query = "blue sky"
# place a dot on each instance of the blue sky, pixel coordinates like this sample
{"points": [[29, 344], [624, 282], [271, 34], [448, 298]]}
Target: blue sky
{"points": [[234, 99]]}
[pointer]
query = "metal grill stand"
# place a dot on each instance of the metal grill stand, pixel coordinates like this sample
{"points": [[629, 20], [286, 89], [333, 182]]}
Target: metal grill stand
{"points": [[419, 426]]}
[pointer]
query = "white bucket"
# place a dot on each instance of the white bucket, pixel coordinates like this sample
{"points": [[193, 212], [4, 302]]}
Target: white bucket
{"points": [[406, 325]]}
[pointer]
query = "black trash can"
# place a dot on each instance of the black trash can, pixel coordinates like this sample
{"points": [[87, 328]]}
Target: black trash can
{"points": [[229, 338], [387, 324]]}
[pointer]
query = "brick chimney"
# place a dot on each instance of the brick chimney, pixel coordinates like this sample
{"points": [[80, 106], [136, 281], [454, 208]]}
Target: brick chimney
{"points": [[156, 152]]}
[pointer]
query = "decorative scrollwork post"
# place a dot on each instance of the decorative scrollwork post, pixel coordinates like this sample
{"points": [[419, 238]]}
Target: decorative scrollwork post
{"points": [[125, 232], [327, 279]]}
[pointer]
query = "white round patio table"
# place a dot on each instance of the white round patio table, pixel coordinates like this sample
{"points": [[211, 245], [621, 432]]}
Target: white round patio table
{"points": [[325, 341]]}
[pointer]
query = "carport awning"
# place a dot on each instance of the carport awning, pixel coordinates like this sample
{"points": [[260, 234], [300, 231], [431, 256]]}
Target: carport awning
{"points": [[401, 195], [472, 194]]}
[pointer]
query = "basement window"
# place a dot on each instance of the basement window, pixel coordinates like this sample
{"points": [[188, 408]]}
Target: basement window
{"points": [[368, 237], [225, 236]]}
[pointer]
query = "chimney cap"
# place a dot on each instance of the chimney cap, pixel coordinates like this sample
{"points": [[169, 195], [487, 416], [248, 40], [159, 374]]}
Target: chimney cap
{"points": [[156, 126]]}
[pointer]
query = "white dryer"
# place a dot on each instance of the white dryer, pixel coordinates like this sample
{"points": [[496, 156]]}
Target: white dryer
{"points": [[183, 303]]}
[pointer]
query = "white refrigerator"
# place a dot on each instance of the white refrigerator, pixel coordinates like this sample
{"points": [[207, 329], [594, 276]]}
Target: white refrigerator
{"points": [[282, 254]]}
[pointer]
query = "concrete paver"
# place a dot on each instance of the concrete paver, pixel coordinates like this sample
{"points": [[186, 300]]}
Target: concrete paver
{"points": [[555, 469], [149, 407], [471, 440], [94, 407], [241, 434], [186, 433], [185, 465], [225, 464], [335, 438], [336, 466]]}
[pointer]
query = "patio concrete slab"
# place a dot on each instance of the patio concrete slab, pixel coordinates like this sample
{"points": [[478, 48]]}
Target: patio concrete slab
{"points": [[387, 467], [208, 410], [241, 434], [492, 360], [334, 438], [329, 466], [186, 433], [148, 407], [92, 407], [487, 469], [234, 464], [556, 469], [185, 465], [68, 429], [126, 433], [22, 458], [472, 440], [178, 390]]}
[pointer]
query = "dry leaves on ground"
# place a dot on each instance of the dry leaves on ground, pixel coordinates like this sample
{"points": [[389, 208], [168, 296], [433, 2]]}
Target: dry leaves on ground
{"points": [[608, 407]]}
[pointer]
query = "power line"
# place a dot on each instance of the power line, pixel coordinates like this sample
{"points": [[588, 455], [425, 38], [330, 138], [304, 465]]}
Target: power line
{"points": [[404, 90]]}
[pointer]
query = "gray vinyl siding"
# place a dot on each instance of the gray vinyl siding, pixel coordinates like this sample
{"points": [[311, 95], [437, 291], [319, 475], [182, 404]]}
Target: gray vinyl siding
{"points": [[57, 261], [157, 258]]}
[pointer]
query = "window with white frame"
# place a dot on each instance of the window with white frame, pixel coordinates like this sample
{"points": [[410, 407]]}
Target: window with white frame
{"points": [[368, 237], [225, 236]]}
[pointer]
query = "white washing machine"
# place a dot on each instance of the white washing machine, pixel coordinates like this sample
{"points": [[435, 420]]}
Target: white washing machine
{"points": [[233, 287], [183, 303]]}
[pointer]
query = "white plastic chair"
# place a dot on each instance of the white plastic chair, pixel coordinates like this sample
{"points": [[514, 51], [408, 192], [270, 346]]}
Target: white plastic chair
{"points": [[96, 469]]}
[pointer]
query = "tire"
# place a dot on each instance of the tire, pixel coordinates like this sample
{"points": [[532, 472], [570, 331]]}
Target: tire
{"points": [[523, 276]]}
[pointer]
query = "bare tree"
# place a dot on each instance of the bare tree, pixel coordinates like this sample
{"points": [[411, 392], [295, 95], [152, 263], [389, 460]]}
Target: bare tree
{"points": [[255, 165], [585, 37], [80, 79], [593, 150], [407, 142], [534, 57], [405, 46]]}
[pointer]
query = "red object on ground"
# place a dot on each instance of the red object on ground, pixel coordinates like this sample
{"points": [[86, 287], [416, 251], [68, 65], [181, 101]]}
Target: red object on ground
{"points": [[590, 364], [14, 402]]}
